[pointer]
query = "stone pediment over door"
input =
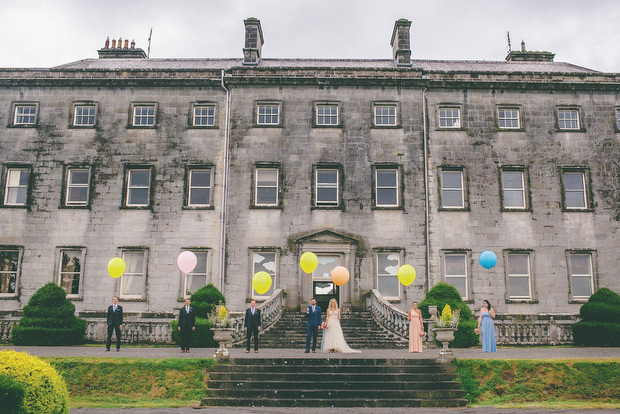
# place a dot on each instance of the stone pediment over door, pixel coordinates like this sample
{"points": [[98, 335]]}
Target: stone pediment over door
{"points": [[326, 237]]}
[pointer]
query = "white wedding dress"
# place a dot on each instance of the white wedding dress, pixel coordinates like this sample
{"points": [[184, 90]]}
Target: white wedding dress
{"points": [[334, 338]]}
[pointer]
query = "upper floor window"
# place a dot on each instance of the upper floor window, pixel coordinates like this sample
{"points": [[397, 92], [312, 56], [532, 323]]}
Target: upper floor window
{"points": [[385, 114], [327, 186], [198, 277], [387, 188], [264, 261], [78, 184], [203, 116], [70, 270], [387, 269], [618, 119], [133, 281], [9, 270], [575, 190], [143, 116], [452, 189], [199, 187], [581, 275], [266, 187], [519, 275], [327, 115], [25, 114], [455, 272], [16, 190], [568, 119], [138, 187], [268, 114], [508, 118], [514, 189], [84, 115], [449, 117]]}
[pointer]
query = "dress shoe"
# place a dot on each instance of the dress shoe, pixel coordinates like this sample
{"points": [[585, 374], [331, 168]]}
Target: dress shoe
{"points": [[256, 352], [306, 352], [107, 349], [247, 352], [118, 350]]}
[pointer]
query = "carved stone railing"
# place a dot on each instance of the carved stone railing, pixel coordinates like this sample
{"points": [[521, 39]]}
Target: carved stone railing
{"points": [[270, 310], [133, 332], [5, 330]]}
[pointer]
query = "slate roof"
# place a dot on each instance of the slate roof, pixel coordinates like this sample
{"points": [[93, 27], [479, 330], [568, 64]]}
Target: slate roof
{"points": [[425, 65]]}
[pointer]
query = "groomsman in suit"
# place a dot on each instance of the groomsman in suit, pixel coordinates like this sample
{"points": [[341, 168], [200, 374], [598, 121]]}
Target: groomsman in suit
{"points": [[252, 325], [187, 323], [313, 315], [115, 323]]}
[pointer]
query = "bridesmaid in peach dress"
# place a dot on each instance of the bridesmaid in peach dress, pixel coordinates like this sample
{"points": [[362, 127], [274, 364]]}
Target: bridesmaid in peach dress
{"points": [[415, 328]]}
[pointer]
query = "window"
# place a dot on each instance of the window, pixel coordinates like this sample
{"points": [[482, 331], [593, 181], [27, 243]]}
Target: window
{"points": [[455, 268], [449, 117], [199, 187], [138, 187], [327, 189], [25, 115], [385, 115], [387, 269], [519, 277], [133, 281], [513, 189], [84, 115], [143, 115], [617, 119], [327, 115], [508, 118], [9, 270], [568, 119], [198, 277], [575, 196], [581, 275], [203, 116], [452, 189], [268, 114], [264, 261], [78, 182], [16, 191], [387, 187], [266, 187], [70, 270]]}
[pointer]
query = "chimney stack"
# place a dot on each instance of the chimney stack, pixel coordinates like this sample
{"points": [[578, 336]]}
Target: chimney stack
{"points": [[120, 50], [524, 55], [401, 46], [253, 41]]}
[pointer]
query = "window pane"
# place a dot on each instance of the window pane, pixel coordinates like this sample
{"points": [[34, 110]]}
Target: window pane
{"points": [[327, 176], [139, 196], [267, 177], [580, 264], [455, 265], [132, 285], [519, 286], [387, 197], [452, 198], [78, 176], [512, 179], [194, 283], [575, 199], [133, 280], [513, 198], [518, 264], [71, 261], [9, 260], [327, 195], [201, 265], [388, 286], [387, 263], [451, 179], [325, 266], [134, 261], [139, 178], [266, 195], [582, 286], [199, 196], [16, 196], [265, 262], [573, 181], [200, 178], [386, 178], [460, 283]]}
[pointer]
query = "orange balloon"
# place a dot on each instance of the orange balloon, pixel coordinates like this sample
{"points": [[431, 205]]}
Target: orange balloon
{"points": [[340, 275]]}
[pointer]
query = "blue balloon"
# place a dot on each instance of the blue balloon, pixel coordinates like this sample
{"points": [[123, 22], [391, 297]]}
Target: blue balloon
{"points": [[487, 259]]}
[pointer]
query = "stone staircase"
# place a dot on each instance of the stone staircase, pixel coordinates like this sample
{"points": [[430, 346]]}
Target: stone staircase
{"points": [[359, 328], [333, 382]]}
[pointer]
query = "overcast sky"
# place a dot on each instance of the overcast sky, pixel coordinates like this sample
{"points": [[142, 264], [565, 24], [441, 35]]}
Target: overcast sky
{"points": [[46, 33]]}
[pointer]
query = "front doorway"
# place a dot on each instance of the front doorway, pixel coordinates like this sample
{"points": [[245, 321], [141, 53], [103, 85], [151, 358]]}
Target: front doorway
{"points": [[323, 289]]}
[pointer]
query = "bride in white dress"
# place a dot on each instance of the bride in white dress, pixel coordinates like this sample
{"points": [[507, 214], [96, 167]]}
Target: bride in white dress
{"points": [[334, 338]]}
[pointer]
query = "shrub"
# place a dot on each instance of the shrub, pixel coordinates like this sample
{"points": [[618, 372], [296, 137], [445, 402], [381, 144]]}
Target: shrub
{"points": [[205, 299], [202, 337], [49, 320], [11, 395], [600, 324], [45, 390], [443, 294]]}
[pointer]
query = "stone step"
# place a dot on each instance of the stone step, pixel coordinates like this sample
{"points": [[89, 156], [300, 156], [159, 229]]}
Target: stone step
{"points": [[328, 369], [338, 393], [339, 361], [335, 376], [327, 385], [329, 402]]}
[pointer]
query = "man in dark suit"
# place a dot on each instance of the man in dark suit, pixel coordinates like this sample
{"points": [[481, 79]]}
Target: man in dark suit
{"points": [[115, 323], [187, 323], [252, 325], [313, 315]]}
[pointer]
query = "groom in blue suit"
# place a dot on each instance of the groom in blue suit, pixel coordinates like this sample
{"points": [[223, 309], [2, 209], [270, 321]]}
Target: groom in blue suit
{"points": [[313, 315]]}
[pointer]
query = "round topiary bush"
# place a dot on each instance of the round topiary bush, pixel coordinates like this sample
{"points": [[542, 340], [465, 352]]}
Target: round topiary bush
{"points": [[600, 323], [49, 320], [202, 337], [205, 299], [443, 294], [45, 390]]}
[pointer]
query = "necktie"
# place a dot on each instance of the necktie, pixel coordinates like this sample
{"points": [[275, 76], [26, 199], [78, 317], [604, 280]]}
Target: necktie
{"points": [[187, 309], [252, 311], [114, 308], [313, 309]]}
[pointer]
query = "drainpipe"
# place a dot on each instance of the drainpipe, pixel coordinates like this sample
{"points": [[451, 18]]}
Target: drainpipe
{"points": [[224, 215], [426, 219]]}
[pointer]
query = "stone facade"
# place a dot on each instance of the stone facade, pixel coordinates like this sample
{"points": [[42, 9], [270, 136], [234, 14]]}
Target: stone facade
{"points": [[387, 134]]}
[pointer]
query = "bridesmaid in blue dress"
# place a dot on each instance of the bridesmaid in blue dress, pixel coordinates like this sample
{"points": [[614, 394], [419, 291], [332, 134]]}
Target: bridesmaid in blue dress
{"points": [[486, 328]]}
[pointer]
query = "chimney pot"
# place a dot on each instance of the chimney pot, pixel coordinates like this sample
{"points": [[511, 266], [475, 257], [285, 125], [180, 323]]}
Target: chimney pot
{"points": [[126, 44], [113, 43], [401, 45], [120, 43], [107, 43], [133, 44], [252, 51], [523, 46]]}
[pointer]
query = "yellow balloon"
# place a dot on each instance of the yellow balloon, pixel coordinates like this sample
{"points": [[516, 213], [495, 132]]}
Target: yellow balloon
{"points": [[406, 274], [116, 267], [261, 282], [308, 262]]}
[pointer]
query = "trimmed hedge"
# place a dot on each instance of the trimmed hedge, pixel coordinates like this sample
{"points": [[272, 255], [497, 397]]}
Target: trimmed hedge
{"points": [[442, 294], [11, 395], [600, 324], [49, 320], [202, 337], [205, 299], [45, 390]]}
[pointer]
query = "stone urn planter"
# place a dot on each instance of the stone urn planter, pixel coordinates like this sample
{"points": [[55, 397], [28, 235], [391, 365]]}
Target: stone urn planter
{"points": [[222, 336], [445, 335]]}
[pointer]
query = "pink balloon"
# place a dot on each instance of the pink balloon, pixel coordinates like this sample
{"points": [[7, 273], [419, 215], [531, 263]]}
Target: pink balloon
{"points": [[187, 261]]}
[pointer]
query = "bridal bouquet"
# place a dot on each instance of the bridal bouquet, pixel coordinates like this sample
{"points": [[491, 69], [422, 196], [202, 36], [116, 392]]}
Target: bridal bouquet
{"points": [[323, 326]]}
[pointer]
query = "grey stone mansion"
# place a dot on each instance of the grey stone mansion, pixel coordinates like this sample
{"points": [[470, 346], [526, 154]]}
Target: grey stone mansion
{"points": [[251, 161]]}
